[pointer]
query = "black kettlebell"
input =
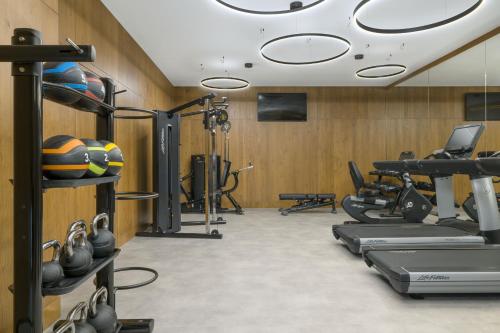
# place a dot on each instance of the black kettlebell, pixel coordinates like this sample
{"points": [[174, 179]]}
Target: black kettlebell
{"points": [[102, 316], [52, 271], [81, 325], [64, 327], [101, 238], [76, 259], [80, 224]]}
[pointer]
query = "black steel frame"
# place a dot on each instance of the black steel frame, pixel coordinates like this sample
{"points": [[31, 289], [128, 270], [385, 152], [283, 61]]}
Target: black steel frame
{"points": [[166, 181], [27, 55]]}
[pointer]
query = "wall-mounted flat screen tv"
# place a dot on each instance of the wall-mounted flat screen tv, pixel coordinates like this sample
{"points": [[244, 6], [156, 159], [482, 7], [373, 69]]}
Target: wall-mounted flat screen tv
{"points": [[282, 107], [475, 106]]}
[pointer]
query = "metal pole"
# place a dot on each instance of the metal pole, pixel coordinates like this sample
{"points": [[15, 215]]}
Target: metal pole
{"points": [[28, 200], [207, 169], [213, 165], [105, 193]]}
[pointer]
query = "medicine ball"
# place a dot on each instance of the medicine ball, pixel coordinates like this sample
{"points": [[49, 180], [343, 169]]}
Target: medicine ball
{"points": [[64, 157], [95, 87], [98, 158], [68, 74], [115, 158]]}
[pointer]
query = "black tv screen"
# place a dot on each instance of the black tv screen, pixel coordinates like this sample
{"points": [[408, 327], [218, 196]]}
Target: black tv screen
{"points": [[282, 107], [475, 106]]}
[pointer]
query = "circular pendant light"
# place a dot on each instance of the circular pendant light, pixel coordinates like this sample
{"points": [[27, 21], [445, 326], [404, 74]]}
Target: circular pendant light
{"points": [[224, 83], [269, 7], [305, 48], [404, 16], [381, 71]]}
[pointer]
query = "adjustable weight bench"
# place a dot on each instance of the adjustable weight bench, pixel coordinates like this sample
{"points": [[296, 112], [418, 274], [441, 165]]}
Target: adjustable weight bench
{"points": [[307, 201]]}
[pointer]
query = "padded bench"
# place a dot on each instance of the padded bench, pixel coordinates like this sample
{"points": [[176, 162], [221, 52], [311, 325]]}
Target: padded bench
{"points": [[307, 201]]}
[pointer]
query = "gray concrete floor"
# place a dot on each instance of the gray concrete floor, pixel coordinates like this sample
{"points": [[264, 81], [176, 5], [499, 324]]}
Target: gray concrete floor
{"points": [[278, 274]]}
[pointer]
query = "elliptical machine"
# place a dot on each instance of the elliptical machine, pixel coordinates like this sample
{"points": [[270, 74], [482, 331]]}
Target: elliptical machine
{"points": [[414, 206]]}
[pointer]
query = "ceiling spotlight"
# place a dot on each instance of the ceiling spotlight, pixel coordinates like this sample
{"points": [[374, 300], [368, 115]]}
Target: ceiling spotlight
{"points": [[381, 71], [269, 7], [224, 83], [296, 5], [305, 48], [359, 56], [393, 30], [248, 65]]}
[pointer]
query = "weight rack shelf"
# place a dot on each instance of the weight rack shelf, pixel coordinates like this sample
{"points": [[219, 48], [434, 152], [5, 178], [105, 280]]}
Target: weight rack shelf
{"points": [[27, 55], [83, 102], [67, 285], [64, 183]]}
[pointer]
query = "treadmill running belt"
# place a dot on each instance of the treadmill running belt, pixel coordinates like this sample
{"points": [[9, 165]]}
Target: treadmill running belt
{"points": [[357, 235], [440, 271]]}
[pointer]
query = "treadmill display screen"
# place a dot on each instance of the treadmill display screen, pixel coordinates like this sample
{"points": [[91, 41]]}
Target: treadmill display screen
{"points": [[464, 138]]}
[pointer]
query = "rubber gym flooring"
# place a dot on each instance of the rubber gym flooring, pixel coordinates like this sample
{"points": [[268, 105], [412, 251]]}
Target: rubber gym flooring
{"points": [[278, 274]]}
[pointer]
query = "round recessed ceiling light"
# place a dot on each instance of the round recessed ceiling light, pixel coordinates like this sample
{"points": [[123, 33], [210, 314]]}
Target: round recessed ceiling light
{"points": [[381, 71], [224, 83], [269, 7], [404, 16], [305, 48]]}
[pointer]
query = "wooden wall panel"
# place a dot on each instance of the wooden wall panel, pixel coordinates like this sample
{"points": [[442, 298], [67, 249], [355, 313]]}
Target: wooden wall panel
{"points": [[118, 57], [361, 124]]}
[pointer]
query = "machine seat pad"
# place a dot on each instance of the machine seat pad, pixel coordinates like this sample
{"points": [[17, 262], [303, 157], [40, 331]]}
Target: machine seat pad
{"points": [[306, 196]]}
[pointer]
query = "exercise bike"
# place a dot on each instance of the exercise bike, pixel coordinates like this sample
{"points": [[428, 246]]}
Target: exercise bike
{"points": [[413, 206]]}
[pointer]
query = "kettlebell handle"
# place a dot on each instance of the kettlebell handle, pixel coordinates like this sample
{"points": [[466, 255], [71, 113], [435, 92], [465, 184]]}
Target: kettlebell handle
{"points": [[70, 241], [57, 248], [80, 309], [67, 326], [105, 223], [100, 295], [78, 224]]}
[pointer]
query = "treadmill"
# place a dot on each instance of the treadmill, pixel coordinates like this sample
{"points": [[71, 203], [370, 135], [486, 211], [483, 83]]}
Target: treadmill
{"points": [[450, 269], [449, 230]]}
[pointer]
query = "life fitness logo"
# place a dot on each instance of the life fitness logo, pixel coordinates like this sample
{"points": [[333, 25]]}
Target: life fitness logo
{"points": [[433, 277]]}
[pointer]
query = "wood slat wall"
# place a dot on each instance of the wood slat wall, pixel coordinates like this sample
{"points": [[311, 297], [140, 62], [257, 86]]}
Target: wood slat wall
{"points": [[360, 124], [118, 57]]}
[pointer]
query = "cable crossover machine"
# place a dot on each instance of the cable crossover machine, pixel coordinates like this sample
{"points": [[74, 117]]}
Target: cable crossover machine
{"points": [[166, 167]]}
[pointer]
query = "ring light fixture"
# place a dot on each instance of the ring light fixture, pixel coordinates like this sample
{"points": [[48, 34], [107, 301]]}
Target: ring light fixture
{"points": [[359, 8], [364, 72], [245, 6], [224, 83], [288, 38]]}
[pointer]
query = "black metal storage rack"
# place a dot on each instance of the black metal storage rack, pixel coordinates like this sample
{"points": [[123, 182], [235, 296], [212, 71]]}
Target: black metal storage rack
{"points": [[27, 54]]}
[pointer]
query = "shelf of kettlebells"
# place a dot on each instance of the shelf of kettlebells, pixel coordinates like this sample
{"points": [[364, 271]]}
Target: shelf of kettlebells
{"points": [[70, 283]]}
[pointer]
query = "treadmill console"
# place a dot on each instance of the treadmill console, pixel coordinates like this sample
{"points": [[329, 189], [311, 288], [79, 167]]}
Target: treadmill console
{"points": [[462, 142]]}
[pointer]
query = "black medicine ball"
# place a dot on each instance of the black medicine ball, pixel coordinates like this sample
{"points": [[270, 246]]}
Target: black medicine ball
{"points": [[98, 158], [95, 87], [68, 74], [115, 158], [64, 157]]}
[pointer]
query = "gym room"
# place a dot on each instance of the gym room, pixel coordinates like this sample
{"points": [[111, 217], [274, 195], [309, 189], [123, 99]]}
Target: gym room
{"points": [[276, 166]]}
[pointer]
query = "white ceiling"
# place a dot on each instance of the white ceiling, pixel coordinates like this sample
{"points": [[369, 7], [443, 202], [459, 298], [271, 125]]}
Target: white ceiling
{"points": [[465, 69], [190, 40]]}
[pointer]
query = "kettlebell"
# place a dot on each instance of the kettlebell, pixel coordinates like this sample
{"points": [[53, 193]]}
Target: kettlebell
{"points": [[76, 259], [52, 271], [66, 326], [77, 225], [81, 325], [101, 238], [102, 316]]}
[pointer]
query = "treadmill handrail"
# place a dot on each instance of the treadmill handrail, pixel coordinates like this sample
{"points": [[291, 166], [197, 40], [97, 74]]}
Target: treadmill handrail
{"points": [[473, 168]]}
